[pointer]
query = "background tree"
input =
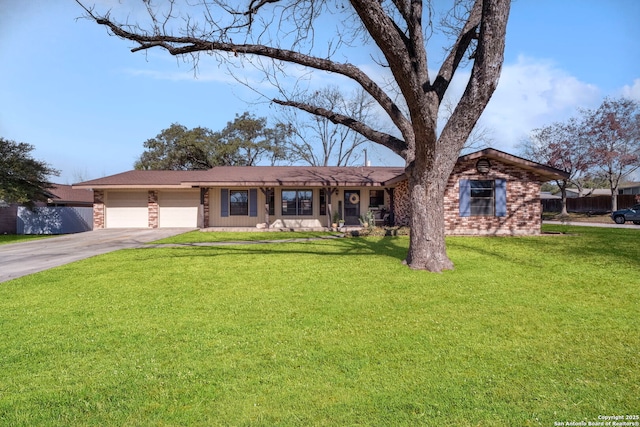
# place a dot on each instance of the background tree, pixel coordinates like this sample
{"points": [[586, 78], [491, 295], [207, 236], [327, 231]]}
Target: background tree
{"points": [[613, 136], [319, 142], [285, 32], [179, 148], [561, 145], [23, 179], [251, 141], [243, 142]]}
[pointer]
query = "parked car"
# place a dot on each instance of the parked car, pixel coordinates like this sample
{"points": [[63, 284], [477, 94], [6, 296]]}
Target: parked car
{"points": [[629, 214]]}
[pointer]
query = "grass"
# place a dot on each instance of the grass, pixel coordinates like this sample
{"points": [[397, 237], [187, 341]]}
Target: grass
{"points": [[525, 331], [17, 238], [233, 236]]}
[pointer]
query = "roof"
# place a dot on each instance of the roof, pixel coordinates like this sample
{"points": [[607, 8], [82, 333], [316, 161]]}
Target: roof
{"points": [[66, 193], [546, 173], [629, 185], [143, 179], [298, 175], [259, 176], [307, 176]]}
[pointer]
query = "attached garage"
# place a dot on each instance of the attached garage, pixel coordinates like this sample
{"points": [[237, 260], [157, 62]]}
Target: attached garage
{"points": [[126, 209], [178, 208]]}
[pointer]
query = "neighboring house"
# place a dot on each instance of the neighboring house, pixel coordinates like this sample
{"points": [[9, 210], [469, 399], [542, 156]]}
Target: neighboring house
{"points": [[629, 188], [65, 195], [586, 192], [16, 219], [489, 192]]}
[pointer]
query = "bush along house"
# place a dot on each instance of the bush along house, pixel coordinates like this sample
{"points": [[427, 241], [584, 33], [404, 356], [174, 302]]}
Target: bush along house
{"points": [[489, 193]]}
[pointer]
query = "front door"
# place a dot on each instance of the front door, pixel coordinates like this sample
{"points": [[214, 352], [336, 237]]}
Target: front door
{"points": [[352, 207]]}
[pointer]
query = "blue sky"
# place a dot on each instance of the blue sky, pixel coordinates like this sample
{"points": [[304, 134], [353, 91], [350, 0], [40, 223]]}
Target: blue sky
{"points": [[87, 104]]}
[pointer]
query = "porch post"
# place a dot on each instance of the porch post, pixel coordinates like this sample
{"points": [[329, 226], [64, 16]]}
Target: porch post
{"points": [[201, 209], [267, 194], [392, 209]]}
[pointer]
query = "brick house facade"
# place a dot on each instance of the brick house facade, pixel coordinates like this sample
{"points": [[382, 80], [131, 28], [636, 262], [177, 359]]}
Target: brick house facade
{"points": [[488, 193], [522, 191]]}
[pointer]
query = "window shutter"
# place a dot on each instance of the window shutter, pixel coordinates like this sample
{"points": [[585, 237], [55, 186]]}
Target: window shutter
{"points": [[465, 197], [253, 202], [501, 197], [224, 202]]}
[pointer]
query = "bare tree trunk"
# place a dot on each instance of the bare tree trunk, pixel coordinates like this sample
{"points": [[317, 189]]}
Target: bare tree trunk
{"points": [[427, 250], [563, 196]]}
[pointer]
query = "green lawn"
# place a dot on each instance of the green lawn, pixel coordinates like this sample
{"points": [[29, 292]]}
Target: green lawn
{"points": [[525, 331], [17, 238], [232, 236]]}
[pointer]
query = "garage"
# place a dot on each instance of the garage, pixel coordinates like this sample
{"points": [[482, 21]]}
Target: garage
{"points": [[126, 209], [179, 208]]}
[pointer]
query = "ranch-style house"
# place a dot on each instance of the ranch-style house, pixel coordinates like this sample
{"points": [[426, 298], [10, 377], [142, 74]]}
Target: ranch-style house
{"points": [[490, 192]]}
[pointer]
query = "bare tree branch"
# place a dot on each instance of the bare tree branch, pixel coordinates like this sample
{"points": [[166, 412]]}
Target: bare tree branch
{"points": [[381, 138]]}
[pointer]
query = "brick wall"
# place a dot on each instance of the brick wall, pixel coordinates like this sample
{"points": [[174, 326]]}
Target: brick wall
{"points": [[401, 203], [154, 208], [523, 202], [98, 209], [205, 207]]}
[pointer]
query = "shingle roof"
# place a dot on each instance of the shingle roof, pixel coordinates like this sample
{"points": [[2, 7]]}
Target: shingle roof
{"points": [[272, 176], [143, 178], [298, 175], [65, 193], [543, 171]]}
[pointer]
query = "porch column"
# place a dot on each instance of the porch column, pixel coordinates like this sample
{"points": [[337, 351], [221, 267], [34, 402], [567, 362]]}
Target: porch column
{"points": [[267, 196], [392, 208]]}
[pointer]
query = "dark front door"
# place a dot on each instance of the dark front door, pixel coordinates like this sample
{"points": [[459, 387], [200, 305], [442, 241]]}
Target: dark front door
{"points": [[352, 207]]}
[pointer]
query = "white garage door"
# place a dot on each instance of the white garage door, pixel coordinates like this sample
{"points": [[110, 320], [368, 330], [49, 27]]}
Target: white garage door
{"points": [[128, 209], [179, 208]]}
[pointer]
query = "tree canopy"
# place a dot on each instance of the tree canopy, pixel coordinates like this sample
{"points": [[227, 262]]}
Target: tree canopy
{"points": [[601, 144], [243, 142], [273, 33], [23, 179]]}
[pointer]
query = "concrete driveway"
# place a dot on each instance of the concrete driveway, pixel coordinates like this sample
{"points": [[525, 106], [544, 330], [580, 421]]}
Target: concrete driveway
{"points": [[20, 259]]}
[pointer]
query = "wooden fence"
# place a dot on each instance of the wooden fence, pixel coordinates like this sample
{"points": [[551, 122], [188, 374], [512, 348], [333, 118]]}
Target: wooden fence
{"points": [[594, 204], [54, 220]]}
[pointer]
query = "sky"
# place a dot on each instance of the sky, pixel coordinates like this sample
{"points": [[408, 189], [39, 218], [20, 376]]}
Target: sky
{"points": [[88, 104]]}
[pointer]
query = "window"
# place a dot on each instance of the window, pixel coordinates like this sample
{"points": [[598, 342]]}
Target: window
{"points": [[239, 202], [297, 202], [482, 198], [376, 198]]}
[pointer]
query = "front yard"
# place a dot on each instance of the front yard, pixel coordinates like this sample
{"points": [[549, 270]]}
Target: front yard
{"points": [[525, 331]]}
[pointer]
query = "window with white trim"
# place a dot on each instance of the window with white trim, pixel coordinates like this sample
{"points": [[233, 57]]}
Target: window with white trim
{"points": [[482, 200], [483, 197]]}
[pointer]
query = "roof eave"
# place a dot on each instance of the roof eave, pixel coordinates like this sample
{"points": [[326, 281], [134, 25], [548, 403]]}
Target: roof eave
{"points": [[546, 173]]}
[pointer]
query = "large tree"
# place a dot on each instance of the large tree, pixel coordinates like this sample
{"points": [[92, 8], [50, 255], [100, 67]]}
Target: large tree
{"points": [[23, 179], [289, 32]]}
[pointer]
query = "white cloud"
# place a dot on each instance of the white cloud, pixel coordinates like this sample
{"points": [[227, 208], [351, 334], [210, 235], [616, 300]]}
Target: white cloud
{"points": [[633, 91], [533, 93]]}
